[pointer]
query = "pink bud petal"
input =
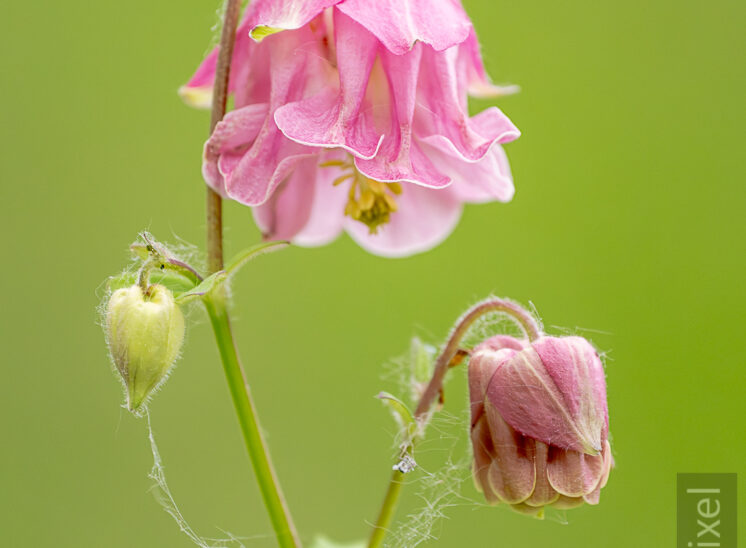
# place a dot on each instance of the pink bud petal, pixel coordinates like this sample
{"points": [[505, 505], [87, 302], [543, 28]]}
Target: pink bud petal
{"points": [[511, 473], [573, 474], [558, 402]]}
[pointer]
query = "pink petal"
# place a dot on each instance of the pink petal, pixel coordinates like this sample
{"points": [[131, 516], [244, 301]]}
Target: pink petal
{"points": [[595, 496], [543, 492], [525, 393], [400, 158], [578, 372], [482, 367], [511, 473], [573, 474], [487, 180], [232, 136], [444, 120], [327, 210], [288, 210], [338, 115], [197, 92], [267, 16], [273, 156], [401, 23], [424, 219], [483, 449]]}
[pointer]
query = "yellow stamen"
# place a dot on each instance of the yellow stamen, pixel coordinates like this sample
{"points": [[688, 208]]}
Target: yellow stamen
{"points": [[369, 201]]}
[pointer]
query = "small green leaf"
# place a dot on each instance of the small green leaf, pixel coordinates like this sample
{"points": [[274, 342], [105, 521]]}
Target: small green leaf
{"points": [[402, 415], [234, 265], [243, 257], [205, 287]]}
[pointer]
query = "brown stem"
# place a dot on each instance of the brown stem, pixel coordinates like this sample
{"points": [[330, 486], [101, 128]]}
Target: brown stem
{"points": [[219, 101]]}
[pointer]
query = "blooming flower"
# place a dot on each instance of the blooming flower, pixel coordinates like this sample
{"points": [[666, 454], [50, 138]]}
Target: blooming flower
{"points": [[539, 422], [352, 115]]}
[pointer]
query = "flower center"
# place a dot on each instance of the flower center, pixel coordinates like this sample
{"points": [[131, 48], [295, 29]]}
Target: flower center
{"points": [[369, 201]]}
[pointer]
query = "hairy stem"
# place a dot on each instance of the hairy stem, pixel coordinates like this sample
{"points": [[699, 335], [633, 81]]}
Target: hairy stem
{"points": [[246, 411], [216, 308], [433, 390]]}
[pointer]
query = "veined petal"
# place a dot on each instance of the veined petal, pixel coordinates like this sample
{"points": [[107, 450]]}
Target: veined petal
{"points": [[230, 140], [445, 116], [400, 159], [272, 156], [511, 474], [573, 474], [527, 396], [401, 23], [481, 443], [339, 116], [543, 493], [265, 17], [288, 210], [487, 180], [425, 217]]}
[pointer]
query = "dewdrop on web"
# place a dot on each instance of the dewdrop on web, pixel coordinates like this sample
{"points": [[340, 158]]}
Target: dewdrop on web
{"points": [[145, 332], [539, 422]]}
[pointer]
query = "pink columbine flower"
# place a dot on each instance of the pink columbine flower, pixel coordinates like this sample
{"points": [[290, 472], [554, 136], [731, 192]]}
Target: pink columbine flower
{"points": [[352, 115], [539, 422]]}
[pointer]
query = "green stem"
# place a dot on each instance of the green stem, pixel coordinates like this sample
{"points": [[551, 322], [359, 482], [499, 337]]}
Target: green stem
{"points": [[215, 304], [242, 400], [528, 325], [388, 509]]}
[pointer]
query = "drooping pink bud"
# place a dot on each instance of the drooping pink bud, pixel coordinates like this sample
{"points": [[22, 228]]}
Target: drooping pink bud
{"points": [[539, 422]]}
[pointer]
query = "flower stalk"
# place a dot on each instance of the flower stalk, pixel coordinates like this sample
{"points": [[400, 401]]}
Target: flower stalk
{"points": [[447, 356], [274, 501]]}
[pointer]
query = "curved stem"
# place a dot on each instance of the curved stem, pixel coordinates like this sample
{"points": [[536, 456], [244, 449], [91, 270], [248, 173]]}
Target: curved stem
{"points": [[246, 411], [530, 327], [215, 304]]}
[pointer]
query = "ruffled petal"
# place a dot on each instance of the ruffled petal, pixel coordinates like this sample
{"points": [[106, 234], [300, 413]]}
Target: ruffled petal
{"points": [[400, 159], [229, 141], [401, 23], [272, 156], [573, 474], [511, 473], [339, 116], [425, 217], [288, 210], [487, 180], [266, 17]]}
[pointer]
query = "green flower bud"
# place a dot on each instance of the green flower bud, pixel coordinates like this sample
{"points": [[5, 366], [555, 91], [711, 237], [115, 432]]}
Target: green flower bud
{"points": [[145, 331]]}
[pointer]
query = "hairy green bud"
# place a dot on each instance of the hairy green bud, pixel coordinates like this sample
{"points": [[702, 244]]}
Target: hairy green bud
{"points": [[145, 331]]}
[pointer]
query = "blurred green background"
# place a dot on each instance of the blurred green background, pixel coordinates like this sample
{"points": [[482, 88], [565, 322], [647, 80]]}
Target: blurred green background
{"points": [[628, 227]]}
